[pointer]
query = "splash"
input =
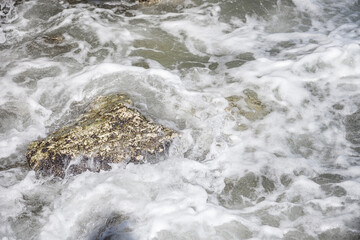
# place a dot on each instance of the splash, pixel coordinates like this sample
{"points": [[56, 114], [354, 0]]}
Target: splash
{"points": [[265, 95]]}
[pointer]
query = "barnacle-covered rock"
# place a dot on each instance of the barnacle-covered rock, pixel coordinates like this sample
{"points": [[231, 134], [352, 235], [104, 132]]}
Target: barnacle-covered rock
{"points": [[110, 132]]}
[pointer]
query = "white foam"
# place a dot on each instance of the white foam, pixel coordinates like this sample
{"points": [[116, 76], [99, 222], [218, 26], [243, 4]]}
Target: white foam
{"points": [[311, 6], [300, 75]]}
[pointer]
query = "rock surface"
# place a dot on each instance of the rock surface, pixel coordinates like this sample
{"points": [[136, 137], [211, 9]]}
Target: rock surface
{"points": [[54, 39], [250, 107], [115, 2], [149, 2], [255, 108], [110, 132]]}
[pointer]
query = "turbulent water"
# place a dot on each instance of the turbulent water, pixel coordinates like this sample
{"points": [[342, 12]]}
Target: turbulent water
{"points": [[265, 94]]}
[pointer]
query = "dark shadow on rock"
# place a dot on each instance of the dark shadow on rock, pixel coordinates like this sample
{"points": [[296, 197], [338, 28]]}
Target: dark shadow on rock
{"points": [[116, 226]]}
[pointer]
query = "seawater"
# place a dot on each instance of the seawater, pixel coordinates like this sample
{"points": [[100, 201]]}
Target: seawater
{"points": [[265, 93]]}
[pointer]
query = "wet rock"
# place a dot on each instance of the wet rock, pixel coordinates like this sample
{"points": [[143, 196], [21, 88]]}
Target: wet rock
{"points": [[267, 184], [112, 3], [250, 107], [240, 60], [51, 45], [295, 212], [233, 230], [270, 220], [116, 226], [285, 180], [241, 192], [332, 190], [54, 39], [110, 132], [297, 235], [326, 178], [337, 233], [43, 10], [352, 124], [149, 2]]}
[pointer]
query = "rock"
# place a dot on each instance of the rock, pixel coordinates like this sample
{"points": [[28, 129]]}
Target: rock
{"points": [[116, 226], [149, 2], [110, 132], [107, 3], [250, 107], [54, 39], [352, 126]]}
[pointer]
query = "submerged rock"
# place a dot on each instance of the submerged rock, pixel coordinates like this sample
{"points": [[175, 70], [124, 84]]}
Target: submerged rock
{"points": [[255, 108], [54, 39], [250, 107], [352, 125], [108, 3], [110, 132], [149, 2]]}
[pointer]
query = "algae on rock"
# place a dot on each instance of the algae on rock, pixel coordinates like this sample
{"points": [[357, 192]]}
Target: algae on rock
{"points": [[250, 107], [110, 132]]}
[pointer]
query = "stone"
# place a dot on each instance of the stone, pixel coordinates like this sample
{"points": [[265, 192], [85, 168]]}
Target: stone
{"points": [[352, 126], [112, 131], [115, 2], [250, 107], [54, 39], [149, 2]]}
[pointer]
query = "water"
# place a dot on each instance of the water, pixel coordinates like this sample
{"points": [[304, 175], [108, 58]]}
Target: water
{"points": [[265, 93]]}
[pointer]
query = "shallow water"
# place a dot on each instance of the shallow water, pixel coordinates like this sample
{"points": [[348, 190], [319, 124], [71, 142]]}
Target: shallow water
{"points": [[265, 93]]}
